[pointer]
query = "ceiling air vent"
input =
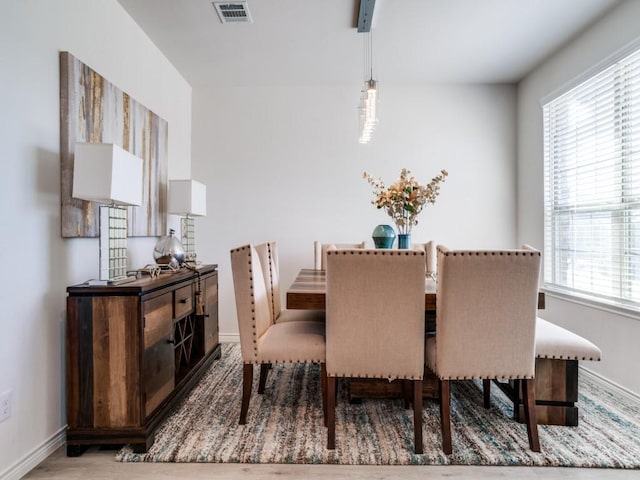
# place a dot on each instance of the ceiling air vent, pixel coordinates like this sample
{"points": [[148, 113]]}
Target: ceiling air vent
{"points": [[236, 12]]}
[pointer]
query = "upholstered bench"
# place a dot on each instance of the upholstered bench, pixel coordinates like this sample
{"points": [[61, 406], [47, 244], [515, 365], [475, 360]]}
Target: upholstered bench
{"points": [[558, 352]]}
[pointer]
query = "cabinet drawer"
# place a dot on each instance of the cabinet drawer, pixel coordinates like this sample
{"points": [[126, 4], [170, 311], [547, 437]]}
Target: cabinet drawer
{"points": [[158, 319], [183, 301]]}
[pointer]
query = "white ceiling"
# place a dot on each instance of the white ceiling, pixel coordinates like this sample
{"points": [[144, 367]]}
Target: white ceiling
{"points": [[315, 42]]}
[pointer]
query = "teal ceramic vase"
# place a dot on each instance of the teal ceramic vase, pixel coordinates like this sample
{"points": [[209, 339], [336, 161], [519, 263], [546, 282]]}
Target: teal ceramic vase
{"points": [[383, 236], [404, 240]]}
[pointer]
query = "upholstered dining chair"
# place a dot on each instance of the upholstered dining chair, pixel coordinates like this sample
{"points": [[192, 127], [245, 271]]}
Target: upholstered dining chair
{"points": [[486, 319], [268, 255], [430, 250], [375, 323], [320, 251], [262, 341]]}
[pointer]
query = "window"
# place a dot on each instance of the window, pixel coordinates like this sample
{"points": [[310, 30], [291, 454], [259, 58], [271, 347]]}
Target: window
{"points": [[592, 187]]}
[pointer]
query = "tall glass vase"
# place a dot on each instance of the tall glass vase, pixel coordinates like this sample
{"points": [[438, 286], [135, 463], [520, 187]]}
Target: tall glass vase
{"points": [[404, 241]]}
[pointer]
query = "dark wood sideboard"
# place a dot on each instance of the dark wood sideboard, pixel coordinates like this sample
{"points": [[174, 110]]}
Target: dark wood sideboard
{"points": [[133, 351]]}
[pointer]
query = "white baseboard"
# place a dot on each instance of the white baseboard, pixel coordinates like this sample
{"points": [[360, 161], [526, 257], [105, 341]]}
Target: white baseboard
{"points": [[611, 386], [229, 338], [36, 456]]}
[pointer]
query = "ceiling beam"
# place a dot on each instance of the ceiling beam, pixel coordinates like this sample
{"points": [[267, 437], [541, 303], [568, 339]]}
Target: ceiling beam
{"points": [[365, 15]]}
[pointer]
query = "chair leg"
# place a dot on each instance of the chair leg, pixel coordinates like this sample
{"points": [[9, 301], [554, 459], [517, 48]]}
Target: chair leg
{"points": [[247, 381], [417, 416], [530, 415], [517, 396], [264, 371], [486, 390], [445, 416], [331, 413], [323, 386], [407, 393]]}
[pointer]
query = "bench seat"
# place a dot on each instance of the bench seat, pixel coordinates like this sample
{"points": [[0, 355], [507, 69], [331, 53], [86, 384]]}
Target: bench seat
{"points": [[558, 352], [555, 342]]}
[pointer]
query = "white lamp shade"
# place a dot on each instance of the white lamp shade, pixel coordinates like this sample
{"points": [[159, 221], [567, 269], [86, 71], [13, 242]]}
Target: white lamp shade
{"points": [[107, 174], [187, 197]]}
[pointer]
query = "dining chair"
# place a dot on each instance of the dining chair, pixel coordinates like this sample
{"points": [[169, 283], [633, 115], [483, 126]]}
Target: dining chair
{"points": [[263, 342], [268, 255], [320, 251], [485, 329], [375, 323], [430, 250]]}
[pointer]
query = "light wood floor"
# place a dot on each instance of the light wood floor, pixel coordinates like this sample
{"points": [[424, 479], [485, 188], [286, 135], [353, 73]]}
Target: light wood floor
{"points": [[99, 465]]}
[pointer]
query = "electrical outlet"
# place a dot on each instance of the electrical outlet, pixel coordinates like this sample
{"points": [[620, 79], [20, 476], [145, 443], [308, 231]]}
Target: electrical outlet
{"points": [[5, 406]]}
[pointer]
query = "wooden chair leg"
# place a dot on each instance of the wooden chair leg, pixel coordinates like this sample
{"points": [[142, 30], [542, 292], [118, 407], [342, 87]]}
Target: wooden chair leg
{"points": [[264, 371], [331, 413], [407, 393], [486, 390], [323, 386], [445, 416], [517, 396], [247, 381], [417, 416], [530, 415]]}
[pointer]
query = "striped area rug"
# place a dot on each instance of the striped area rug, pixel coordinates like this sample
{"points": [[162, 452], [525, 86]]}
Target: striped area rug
{"points": [[285, 425]]}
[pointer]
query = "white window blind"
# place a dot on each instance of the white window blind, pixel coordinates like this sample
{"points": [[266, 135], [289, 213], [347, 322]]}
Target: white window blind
{"points": [[592, 187]]}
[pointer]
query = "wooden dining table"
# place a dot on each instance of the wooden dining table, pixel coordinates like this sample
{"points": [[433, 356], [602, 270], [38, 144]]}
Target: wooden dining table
{"points": [[308, 292]]}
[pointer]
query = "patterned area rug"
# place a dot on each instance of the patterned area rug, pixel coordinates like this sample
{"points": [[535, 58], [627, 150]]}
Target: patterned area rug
{"points": [[285, 425]]}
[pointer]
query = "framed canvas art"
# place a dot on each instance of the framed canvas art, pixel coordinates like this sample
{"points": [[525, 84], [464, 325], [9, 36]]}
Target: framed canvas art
{"points": [[94, 110]]}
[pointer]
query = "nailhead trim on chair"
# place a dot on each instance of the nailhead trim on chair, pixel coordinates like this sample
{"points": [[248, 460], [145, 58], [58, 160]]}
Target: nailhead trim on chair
{"points": [[366, 375], [285, 362], [568, 357], [273, 308], [451, 253], [377, 252], [483, 377], [253, 310]]}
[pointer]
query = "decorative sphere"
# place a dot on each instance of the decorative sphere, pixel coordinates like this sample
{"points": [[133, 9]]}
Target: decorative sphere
{"points": [[169, 251], [383, 236]]}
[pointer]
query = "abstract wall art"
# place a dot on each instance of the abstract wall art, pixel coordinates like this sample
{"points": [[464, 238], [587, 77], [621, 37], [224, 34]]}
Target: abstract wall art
{"points": [[94, 110]]}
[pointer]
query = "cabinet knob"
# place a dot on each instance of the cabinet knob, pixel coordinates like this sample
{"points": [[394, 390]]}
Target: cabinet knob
{"points": [[184, 300]]}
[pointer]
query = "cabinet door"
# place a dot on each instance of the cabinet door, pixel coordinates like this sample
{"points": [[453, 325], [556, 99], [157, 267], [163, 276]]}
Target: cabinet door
{"points": [[159, 366], [211, 313], [103, 376]]}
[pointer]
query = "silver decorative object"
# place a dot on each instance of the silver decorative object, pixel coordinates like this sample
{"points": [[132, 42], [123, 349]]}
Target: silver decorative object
{"points": [[169, 251]]}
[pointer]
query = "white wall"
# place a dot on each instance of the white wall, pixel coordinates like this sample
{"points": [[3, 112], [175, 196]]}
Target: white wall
{"points": [[284, 164], [37, 264], [616, 335]]}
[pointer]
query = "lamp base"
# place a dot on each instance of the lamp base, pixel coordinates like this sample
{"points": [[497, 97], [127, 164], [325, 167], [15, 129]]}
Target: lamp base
{"points": [[113, 243]]}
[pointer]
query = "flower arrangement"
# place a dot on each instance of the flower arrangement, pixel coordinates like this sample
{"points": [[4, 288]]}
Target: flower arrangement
{"points": [[405, 199]]}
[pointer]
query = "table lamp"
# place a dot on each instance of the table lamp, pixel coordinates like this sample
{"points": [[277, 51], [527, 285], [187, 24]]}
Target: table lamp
{"points": [[106, 174], [189, 199]]}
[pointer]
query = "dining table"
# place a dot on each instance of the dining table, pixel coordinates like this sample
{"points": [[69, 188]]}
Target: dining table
{"points": [[308, 292]]}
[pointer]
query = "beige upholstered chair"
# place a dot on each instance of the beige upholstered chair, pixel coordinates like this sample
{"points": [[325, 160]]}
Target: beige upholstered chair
{"points": [[320, 251], [268, 254], [375, 322], [430, 250], [486, 320], [261, 341]]}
